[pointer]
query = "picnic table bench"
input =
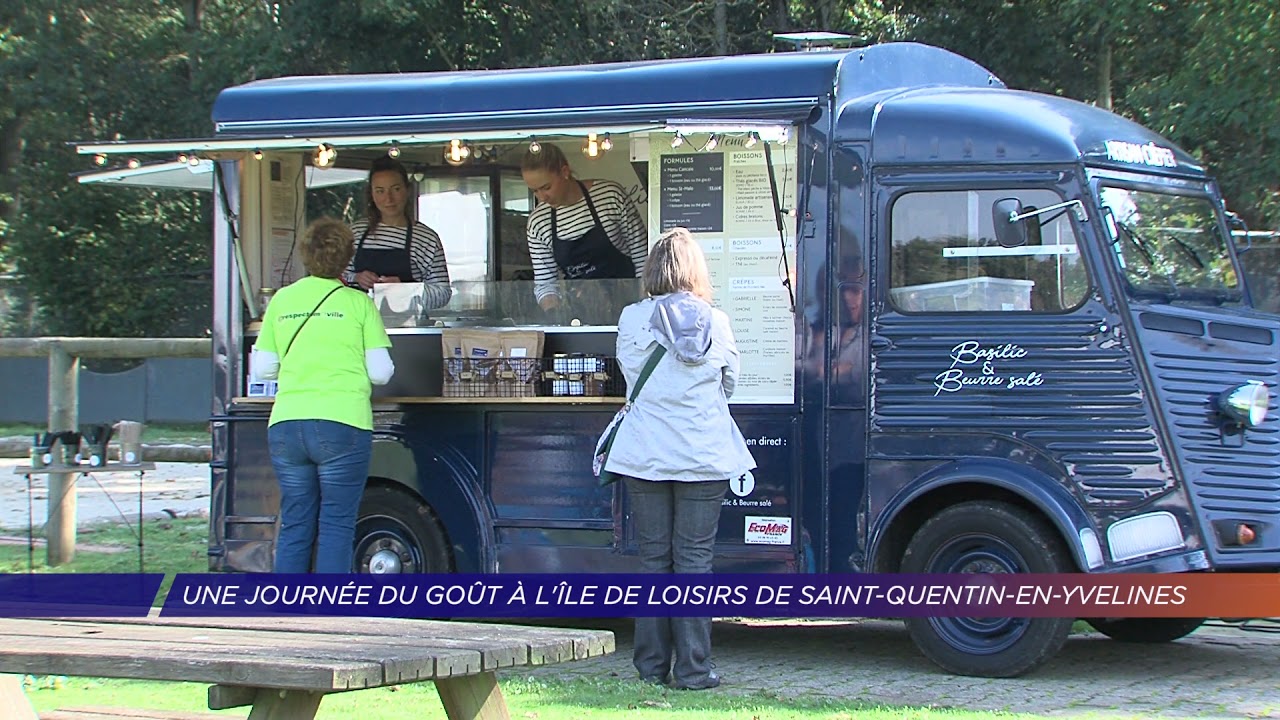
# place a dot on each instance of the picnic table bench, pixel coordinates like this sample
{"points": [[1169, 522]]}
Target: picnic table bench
{"points": [[284, 666]]}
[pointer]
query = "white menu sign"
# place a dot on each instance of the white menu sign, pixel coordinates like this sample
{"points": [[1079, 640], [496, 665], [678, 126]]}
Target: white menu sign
{"points": [[724, 197]]}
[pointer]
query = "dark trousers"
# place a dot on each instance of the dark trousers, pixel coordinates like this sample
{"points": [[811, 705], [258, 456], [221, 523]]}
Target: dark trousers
{"points": [[675, 524]]}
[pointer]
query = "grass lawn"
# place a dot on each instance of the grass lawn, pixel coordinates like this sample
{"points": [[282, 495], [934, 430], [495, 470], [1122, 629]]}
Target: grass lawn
{"points": [[607, 698]]}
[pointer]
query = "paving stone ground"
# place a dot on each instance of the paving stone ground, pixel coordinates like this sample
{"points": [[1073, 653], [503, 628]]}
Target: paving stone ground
{"points": [[1217, 672]]}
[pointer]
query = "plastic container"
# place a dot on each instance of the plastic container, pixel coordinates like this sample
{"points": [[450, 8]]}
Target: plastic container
{"points": [[980, 294]]}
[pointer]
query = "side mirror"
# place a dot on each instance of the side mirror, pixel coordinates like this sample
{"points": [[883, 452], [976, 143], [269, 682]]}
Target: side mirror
{"points": [[1010, 232], [1239, 229]]}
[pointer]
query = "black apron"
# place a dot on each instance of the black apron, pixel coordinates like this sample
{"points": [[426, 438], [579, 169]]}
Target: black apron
{"points": [[592, 257], [386, 263]]}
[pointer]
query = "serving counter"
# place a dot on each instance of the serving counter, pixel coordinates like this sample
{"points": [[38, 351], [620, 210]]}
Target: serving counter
{"points": [[420, 367]]}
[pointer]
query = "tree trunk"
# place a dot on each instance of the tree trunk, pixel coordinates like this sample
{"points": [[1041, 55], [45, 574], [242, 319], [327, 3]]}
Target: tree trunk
{"points": [[722, 28], [1104, 72], [782, 18], [10, 158], [193, 14]]}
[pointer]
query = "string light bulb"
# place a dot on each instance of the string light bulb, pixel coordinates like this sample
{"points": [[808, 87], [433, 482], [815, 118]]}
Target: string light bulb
{"points": [[325, 156], [535, 147], [257, 154], [678, 140], [753, 137], [99, 159], [606, 144], [193, 160], [591, 146], [182, 158], [133, 164], [457, 152], [393, 151], [712, 142]]}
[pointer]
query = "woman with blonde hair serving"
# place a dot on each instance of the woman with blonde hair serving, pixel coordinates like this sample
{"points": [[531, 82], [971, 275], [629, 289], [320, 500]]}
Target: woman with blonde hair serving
{"points": [[679, 446], [327, 345]]}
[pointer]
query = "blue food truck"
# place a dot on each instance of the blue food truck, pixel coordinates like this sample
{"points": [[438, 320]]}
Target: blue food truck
{"points": [[982, 330]]}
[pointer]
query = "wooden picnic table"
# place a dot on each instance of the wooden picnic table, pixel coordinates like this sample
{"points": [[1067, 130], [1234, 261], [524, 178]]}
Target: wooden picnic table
{"points": [[284, 666]]}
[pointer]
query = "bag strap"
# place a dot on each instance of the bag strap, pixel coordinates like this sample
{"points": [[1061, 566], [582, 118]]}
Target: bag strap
{"points": [[305, 319], [649, 365]]}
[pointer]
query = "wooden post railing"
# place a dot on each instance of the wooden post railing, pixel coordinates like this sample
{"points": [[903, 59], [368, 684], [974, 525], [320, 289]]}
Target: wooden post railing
{"points": [[64, 355]]}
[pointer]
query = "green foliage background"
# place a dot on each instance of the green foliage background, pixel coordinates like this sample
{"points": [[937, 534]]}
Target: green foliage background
{"points": [[133, 263]]}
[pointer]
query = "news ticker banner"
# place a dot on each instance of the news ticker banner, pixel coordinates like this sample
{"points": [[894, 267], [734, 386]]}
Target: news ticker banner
{"points": [[88, 595], [635, 595]]}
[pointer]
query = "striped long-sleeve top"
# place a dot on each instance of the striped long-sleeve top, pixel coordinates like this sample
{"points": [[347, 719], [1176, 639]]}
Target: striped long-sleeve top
{"points": [[618, 215], [426, 256]]}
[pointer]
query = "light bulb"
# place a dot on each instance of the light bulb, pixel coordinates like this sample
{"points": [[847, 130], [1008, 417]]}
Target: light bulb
{"points": [[182, 158], [678, 140], [193, 160], [99, 159], [325, 156], [607, 143], [257, 154], [591, 146], [752, 138], [712, 141], [393, 151], [133, 164], [457, 152], [535, 146]]}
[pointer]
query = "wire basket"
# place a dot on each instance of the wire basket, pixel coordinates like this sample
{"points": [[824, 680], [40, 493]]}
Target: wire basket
{"points": [[559, 376]]}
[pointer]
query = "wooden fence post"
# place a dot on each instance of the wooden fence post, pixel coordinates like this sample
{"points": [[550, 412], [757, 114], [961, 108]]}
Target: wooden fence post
{"points": [[63, 354], [64, 400]]}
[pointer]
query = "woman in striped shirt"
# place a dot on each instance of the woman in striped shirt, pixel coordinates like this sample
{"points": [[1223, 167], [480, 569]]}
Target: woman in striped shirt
{"points": [[583, 230], [391, 247]]}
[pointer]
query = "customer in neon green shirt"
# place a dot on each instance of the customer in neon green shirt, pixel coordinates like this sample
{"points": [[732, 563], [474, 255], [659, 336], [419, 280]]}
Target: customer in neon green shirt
{"points": [[326, 345]]}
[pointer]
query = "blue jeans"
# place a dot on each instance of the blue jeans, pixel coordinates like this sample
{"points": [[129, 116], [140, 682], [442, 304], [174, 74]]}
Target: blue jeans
{"points": [[675, 524], [321, 466]]}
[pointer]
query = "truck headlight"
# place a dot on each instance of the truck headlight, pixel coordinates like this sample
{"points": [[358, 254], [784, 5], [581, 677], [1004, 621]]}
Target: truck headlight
{"points": [[1245, 404]]}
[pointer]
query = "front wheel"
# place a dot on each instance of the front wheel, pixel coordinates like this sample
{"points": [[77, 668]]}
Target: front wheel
{"points": [[1145, 630], [987, 537], [397, 533]]}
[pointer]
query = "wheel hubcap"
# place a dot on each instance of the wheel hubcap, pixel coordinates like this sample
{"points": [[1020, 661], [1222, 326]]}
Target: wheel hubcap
{"points": [[385, 546], [985, 555]]}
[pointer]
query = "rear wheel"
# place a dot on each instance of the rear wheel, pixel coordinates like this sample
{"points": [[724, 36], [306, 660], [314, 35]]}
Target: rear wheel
{"points": [[397, 533], [987, 537], [1145, 630]]}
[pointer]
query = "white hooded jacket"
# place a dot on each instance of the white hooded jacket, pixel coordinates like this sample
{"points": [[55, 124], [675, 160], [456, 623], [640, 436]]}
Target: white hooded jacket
{"points": [[679, 427]]}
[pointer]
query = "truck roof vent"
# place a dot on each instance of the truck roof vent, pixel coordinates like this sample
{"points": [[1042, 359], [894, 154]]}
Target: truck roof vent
{"points": [[817, 40]]}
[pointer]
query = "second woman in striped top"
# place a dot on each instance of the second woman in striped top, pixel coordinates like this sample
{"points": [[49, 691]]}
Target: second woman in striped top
{"points": [[583, 230]]}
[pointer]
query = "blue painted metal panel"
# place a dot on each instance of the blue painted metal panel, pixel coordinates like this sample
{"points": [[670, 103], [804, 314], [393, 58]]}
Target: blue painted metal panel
{"points": [[994, 126]]}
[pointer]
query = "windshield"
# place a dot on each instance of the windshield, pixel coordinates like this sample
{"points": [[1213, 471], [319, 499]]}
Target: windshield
{"points": [[1169, 246]]}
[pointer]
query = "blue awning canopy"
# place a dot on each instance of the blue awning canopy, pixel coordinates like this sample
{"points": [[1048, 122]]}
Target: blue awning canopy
{"points": [[767, 87]]}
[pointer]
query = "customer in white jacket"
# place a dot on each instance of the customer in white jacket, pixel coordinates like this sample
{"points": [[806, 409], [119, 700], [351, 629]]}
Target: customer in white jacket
{"points": [[679, 446]]}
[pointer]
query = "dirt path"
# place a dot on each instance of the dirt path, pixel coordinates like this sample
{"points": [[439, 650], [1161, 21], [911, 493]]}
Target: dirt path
{"points": [[172, 489]]}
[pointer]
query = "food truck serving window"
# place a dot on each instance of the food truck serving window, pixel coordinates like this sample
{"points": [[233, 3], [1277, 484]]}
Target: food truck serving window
{"points": [[500, 238], [945, 257]]}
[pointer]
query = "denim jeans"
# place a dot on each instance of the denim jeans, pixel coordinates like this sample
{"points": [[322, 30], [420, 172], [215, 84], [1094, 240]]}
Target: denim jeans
{"points": [[675, 524], [321, 466]]}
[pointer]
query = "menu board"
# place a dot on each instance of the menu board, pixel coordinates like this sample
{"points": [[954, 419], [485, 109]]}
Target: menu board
{"points": [[723, 196]]}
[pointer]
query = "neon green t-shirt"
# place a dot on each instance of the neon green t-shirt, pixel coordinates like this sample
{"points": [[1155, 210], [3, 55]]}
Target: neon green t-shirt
{"points": [[323, 374]]}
